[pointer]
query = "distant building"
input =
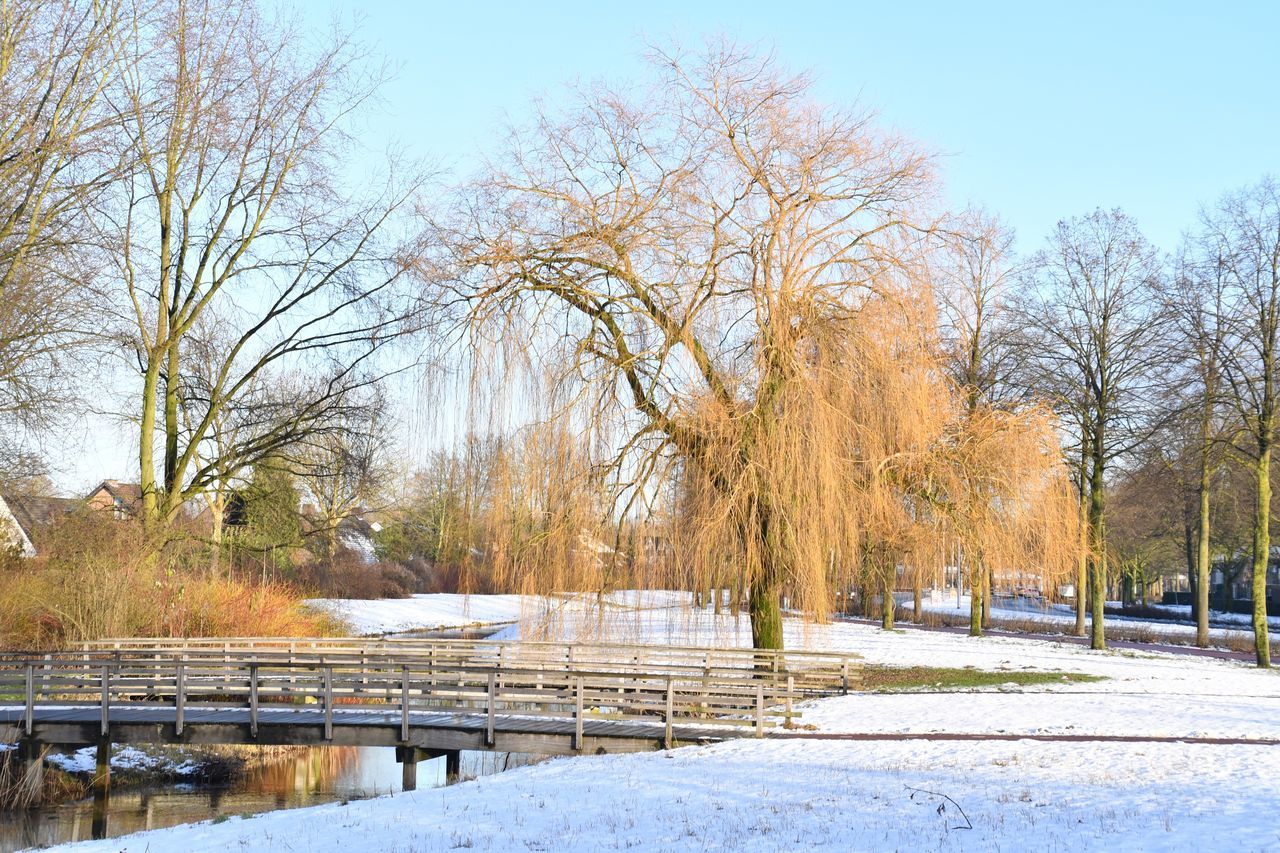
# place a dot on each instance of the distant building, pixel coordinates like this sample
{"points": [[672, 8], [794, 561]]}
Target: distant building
{"points": [[358, 536], [123, 500], [24, 518]]}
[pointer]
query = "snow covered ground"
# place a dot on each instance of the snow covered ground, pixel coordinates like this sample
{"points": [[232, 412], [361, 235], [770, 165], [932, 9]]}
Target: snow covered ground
{"points": [[424, 612], [1059, 616], [859, 795], [430, 612], [126, 758]]}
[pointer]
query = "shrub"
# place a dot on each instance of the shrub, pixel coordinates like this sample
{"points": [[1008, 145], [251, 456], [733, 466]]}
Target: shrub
{"points": [[101, 577]]}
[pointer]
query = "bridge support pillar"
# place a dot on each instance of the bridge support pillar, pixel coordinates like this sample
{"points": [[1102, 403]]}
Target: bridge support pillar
{"points": [[30, 751], [408, 769], [408, 757], [101, 788]]}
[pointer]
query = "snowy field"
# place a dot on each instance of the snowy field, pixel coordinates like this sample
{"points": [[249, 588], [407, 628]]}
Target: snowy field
{"points": [[859, 795], [433, 612]]}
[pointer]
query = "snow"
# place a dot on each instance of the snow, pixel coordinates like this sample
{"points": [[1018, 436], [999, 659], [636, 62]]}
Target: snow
{"points": [[424, 612], [446, 610], [838, 794], [123, 758], [775, 796], [1059, 616]]}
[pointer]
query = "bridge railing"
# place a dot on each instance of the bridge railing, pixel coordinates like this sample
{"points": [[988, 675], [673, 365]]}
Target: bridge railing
{"points": [[396, 686], [811, 672]]}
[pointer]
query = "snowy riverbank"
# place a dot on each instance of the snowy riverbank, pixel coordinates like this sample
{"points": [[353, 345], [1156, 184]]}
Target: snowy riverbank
{"points": [[834, 794]]}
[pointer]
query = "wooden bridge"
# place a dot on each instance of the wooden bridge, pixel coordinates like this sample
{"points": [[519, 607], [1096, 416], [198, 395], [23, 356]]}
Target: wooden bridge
{"points": [[427, 698]]}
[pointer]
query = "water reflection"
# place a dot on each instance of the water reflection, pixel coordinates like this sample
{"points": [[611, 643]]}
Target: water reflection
{"points": [[303, 777]]}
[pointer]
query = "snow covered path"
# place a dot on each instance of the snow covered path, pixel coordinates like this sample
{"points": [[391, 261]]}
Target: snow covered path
{"points": [[794, 794]]}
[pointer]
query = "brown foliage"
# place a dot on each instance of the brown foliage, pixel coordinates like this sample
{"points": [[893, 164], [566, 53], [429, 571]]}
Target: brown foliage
{"points": [[100, 577]]}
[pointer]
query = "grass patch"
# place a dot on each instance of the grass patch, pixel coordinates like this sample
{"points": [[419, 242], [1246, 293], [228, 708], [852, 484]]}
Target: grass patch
{"points": [[890, 679]]}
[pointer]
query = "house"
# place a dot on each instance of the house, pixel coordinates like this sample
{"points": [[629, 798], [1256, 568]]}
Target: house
{"points": [[359, 536], [12, 533], [23, 519], [121, 499]]}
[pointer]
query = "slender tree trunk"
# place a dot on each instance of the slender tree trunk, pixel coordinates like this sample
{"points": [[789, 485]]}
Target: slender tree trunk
{"points": [[1097, 550], [147, 442], [1189, 554], [172, 484], [1082, 570], [887, 602], [986, 597], [975, 600], [1262, 551], [917, 595], [1202, 563]]}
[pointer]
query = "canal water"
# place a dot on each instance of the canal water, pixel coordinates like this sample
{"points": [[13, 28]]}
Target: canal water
{"points": [[304, 777]]}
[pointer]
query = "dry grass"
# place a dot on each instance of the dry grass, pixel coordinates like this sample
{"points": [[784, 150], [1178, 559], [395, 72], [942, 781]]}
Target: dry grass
{"points": [[23, 786], [100, 577], [932, 678]]}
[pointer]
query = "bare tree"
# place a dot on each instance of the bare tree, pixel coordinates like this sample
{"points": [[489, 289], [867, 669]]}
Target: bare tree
{"points": [[1242, 236], [724, 281], [56, 63], [345, 467], [1197, 308], [1098, 335], [979, 328], [237, 202]]}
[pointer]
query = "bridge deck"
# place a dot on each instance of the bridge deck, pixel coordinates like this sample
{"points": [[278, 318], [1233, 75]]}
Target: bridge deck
{"points": [[71, 725]]}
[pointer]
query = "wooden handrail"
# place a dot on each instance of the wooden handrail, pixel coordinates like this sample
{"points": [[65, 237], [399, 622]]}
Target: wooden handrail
{"points": [[189, 679]]}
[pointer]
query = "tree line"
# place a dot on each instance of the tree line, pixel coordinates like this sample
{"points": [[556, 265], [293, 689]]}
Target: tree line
{"points": [[726, 312]]}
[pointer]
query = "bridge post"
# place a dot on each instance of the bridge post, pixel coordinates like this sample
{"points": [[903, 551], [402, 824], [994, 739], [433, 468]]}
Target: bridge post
{"points": [[408, 758], [667, 740], [101, 787], [577, 712], [31, 753], [489, 709], [452, 766], [28, 717]]}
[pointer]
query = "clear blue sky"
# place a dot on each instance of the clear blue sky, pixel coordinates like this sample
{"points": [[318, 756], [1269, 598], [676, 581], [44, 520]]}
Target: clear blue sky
{"points": [[1042, 110]]}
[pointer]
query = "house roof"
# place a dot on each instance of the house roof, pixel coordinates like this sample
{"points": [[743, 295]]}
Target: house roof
{"points": [[34, 513], [129, 493]]}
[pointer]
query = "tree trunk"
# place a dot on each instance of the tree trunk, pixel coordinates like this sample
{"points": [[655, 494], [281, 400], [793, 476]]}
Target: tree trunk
{"points": [[917, 603], [1082, 575], [1262, 554], [1202, 564], [1189, 553], [147, 443], [172, 477], [986, 597], [766, 614], [975, 600], [1097, 542], [887, 602]]}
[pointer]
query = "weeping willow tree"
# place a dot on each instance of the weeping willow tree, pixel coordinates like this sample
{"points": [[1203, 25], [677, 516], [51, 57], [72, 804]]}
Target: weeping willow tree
{"points": [[722, 281]]}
